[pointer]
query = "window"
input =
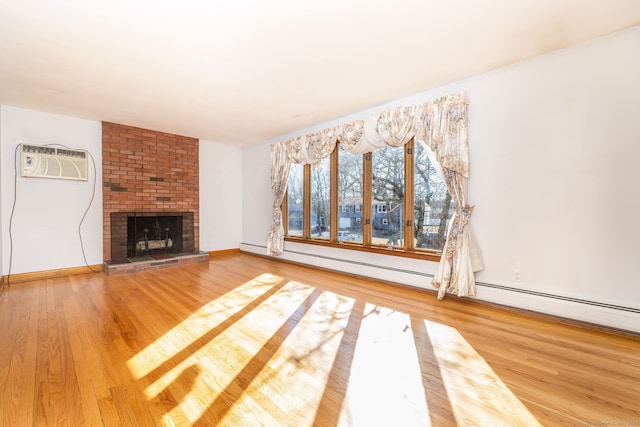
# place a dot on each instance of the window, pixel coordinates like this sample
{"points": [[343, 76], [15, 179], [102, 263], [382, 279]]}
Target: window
{"points": [[295, 194], [350, 173], [387, 194], [432, 203], [392, 199], [320, 198]]}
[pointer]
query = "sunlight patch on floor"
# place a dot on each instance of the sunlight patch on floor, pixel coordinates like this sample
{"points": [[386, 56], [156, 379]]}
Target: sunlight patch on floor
{"points": [[198, 324], [269, 363], [294, 379], [476, 394], [213, 368], [385, 386]]}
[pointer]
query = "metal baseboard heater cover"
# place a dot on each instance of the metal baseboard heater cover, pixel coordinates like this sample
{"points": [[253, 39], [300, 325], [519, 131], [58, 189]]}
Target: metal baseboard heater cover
{"points": [[39, 161]]}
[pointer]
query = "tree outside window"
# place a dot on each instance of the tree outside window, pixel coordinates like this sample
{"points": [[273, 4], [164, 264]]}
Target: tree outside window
{"points": [[433, 206], [321, 198], [387, 190], [295, 194], [349, 195]]}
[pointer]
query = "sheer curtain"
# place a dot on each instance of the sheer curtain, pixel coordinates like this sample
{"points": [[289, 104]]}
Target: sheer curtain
{"points": [[441, 126]]}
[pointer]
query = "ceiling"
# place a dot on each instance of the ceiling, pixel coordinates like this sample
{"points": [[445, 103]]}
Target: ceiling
{"points": [[244, 71]]}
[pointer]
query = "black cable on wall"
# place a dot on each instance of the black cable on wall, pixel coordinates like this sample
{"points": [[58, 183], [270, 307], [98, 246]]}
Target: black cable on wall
{"points": [[15, 197]]}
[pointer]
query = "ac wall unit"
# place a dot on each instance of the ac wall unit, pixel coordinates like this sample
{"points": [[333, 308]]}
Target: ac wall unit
{"points": [[51, 162]]}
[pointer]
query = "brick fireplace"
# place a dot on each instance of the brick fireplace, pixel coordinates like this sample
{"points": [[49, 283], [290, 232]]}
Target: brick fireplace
{"points": [[148, 174]]}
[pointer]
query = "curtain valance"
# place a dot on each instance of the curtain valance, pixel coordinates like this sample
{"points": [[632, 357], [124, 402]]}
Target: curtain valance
{"points": [[441, 126]]}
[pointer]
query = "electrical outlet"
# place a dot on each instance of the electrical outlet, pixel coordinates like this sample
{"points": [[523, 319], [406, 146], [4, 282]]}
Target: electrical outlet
{"points": [[517, 276]]}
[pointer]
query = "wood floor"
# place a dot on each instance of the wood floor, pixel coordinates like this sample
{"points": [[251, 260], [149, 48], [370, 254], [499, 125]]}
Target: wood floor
{"points": [[249, 341]]}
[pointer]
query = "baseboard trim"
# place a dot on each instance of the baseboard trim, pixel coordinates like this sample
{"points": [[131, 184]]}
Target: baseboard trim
{"points": [[559, 297], [224, 252], [580, 310], [50, 274]]}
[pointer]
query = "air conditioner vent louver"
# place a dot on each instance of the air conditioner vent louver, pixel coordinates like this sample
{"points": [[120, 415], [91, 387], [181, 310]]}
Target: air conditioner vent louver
{"points": [[51, 162]]}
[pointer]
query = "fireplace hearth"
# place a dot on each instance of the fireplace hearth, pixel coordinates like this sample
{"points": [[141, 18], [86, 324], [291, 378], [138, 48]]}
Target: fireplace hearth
{"points": [[144, 241]]}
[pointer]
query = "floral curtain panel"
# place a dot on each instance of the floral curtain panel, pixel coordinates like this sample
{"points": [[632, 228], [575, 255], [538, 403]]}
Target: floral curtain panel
{"points": [[441, 126], [280, 166]]}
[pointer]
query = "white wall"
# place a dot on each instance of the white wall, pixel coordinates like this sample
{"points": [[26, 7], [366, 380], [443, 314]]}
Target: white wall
{"points": [[1, 205], [220, 196], [48, 211], [257, 199], [554, 177]]}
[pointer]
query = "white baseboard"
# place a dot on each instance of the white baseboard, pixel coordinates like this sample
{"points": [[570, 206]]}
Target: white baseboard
{"points": [[592, 312]]}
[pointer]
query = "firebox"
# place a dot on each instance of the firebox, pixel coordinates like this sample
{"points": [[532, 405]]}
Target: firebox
{"points": [[153, 235], [147, 234]]}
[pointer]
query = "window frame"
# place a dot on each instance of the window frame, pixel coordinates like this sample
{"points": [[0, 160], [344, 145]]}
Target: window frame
{"points": [[408, 250]]}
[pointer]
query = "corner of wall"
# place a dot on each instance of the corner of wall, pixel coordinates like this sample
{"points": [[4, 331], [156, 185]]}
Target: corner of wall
{"points": [[1, 202]]}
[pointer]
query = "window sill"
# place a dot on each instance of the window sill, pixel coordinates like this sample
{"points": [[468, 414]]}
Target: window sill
{"points": [[382, 250]]}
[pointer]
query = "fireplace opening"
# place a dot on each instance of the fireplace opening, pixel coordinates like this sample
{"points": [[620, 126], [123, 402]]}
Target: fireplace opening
{"points": [[153, 235], [137, 235]]}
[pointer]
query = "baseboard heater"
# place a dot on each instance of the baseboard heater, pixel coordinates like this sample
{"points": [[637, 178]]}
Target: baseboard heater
{"points": [[478, 284], [559, 297]]}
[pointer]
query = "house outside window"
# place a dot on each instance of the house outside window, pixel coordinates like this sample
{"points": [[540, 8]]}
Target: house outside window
{"points": [[350, 178]]}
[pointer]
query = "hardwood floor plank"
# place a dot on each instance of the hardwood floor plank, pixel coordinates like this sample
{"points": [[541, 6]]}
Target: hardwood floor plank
{"points": [[19, 391], [109, 412], [57, 395], [11, 304], [126, 413], [249, 340], [84, 365]]}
